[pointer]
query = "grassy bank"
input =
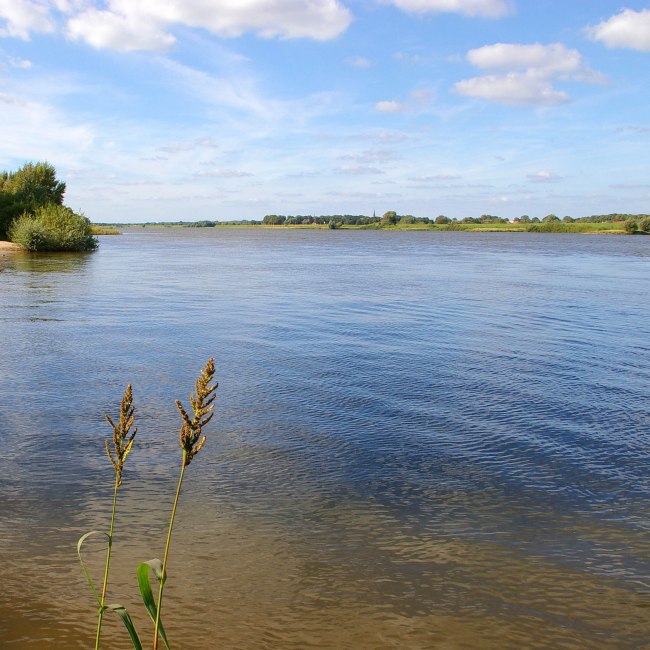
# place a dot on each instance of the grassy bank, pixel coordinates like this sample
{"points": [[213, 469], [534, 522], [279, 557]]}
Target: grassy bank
{"points": [[105, 230], [614, 228]]}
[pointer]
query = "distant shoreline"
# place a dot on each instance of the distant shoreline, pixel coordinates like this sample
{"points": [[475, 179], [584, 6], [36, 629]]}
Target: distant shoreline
{"points": [[605, 228]]}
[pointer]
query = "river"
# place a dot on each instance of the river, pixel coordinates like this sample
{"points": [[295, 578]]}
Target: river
{"points": [[422, 439]]}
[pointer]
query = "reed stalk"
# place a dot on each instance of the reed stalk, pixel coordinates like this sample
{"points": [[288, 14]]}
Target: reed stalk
{"points": [[102, 603], [122, 445], [191, 442]]}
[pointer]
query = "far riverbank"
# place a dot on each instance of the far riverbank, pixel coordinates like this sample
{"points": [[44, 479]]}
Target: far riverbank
{"points": [[606, 228]]}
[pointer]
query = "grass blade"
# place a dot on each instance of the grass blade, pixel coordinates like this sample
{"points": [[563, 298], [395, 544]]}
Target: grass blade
{"points": [[128, 624], [144, 584], [82, 539]]}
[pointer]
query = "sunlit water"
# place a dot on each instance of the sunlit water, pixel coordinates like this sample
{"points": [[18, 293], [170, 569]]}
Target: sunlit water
{"points": [[423, 440]]}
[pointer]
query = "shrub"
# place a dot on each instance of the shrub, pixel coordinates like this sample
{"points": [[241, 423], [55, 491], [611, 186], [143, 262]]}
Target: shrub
{"points": [[53, 228], [558, 226], [630, 226], [644, 224]]}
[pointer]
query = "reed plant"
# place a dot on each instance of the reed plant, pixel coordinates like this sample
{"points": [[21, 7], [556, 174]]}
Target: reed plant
{"points": [[122, 445], [192, 440]]}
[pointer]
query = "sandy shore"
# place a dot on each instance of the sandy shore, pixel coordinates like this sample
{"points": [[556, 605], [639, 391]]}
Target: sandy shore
{"points": [[9, 247]]}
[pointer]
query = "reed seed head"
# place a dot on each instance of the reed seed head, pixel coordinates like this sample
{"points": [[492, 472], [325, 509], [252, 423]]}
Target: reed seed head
{"points": [[122, 442], [202, 405]]}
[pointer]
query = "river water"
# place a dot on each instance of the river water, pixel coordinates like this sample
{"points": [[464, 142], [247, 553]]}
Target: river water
{"points": [[422, 439]]}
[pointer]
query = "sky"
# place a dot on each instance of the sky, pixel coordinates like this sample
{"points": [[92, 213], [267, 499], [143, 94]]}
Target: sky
{"points": [[165, 110]]}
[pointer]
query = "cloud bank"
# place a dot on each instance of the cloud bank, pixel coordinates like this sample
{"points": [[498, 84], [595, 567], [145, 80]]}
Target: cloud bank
{"points": [[145, 25], [148, 25]]}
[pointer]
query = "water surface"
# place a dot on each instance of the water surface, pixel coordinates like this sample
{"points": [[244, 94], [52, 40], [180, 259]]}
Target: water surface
{"points": [[422, 439]]}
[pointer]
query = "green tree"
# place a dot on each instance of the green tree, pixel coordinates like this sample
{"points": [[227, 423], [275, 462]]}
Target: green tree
{"points": [[549, 218], [32, 186], [273, 220], [35, 183], [441, 219], [389, 218]]}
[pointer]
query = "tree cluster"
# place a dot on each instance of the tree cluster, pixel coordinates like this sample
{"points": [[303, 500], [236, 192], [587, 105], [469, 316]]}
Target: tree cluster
{"points": [[608, 218], [32, 213], [322, 220], [34, 185]]}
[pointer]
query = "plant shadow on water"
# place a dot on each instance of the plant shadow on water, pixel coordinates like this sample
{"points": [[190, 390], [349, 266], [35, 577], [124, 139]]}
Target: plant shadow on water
{"points": [[424, 439]]}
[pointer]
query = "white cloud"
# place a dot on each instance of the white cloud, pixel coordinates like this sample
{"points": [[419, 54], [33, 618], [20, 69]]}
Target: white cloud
{"points": [[370, 156], [20, 17], [126, 25], [544, 176], [629, 29], [435, 179], [360, 170], [409, 57], [194, 145], [488, 8], [115, 31], [223, 173], [23, 64], [554, 60], [389, 107], [508, 56], [359, 62], [526, 73], [514, 88]]}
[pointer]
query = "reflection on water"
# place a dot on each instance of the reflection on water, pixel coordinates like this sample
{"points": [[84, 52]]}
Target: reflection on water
{"points": [[422, 440], [49, 262]]}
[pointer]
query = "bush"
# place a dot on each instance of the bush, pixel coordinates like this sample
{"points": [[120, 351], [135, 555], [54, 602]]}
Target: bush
{"points": [[630, 226], [644, 224], [53, 228]]}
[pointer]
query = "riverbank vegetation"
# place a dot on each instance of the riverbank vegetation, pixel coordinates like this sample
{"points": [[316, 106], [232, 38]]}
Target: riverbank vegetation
{"points": [[32, 213], [601, 224], [104, 230]]}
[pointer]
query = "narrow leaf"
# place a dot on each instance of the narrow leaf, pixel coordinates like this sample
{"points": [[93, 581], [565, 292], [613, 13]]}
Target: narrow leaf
{"points": [[82, 539], [128, 624], [147, 594]]}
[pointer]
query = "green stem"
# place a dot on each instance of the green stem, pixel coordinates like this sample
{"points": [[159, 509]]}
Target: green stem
{"points": [[106, 567], [167, 543]]}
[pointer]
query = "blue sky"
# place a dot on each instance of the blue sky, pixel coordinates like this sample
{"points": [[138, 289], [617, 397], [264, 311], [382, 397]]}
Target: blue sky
{"points": [[233, 109]]}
